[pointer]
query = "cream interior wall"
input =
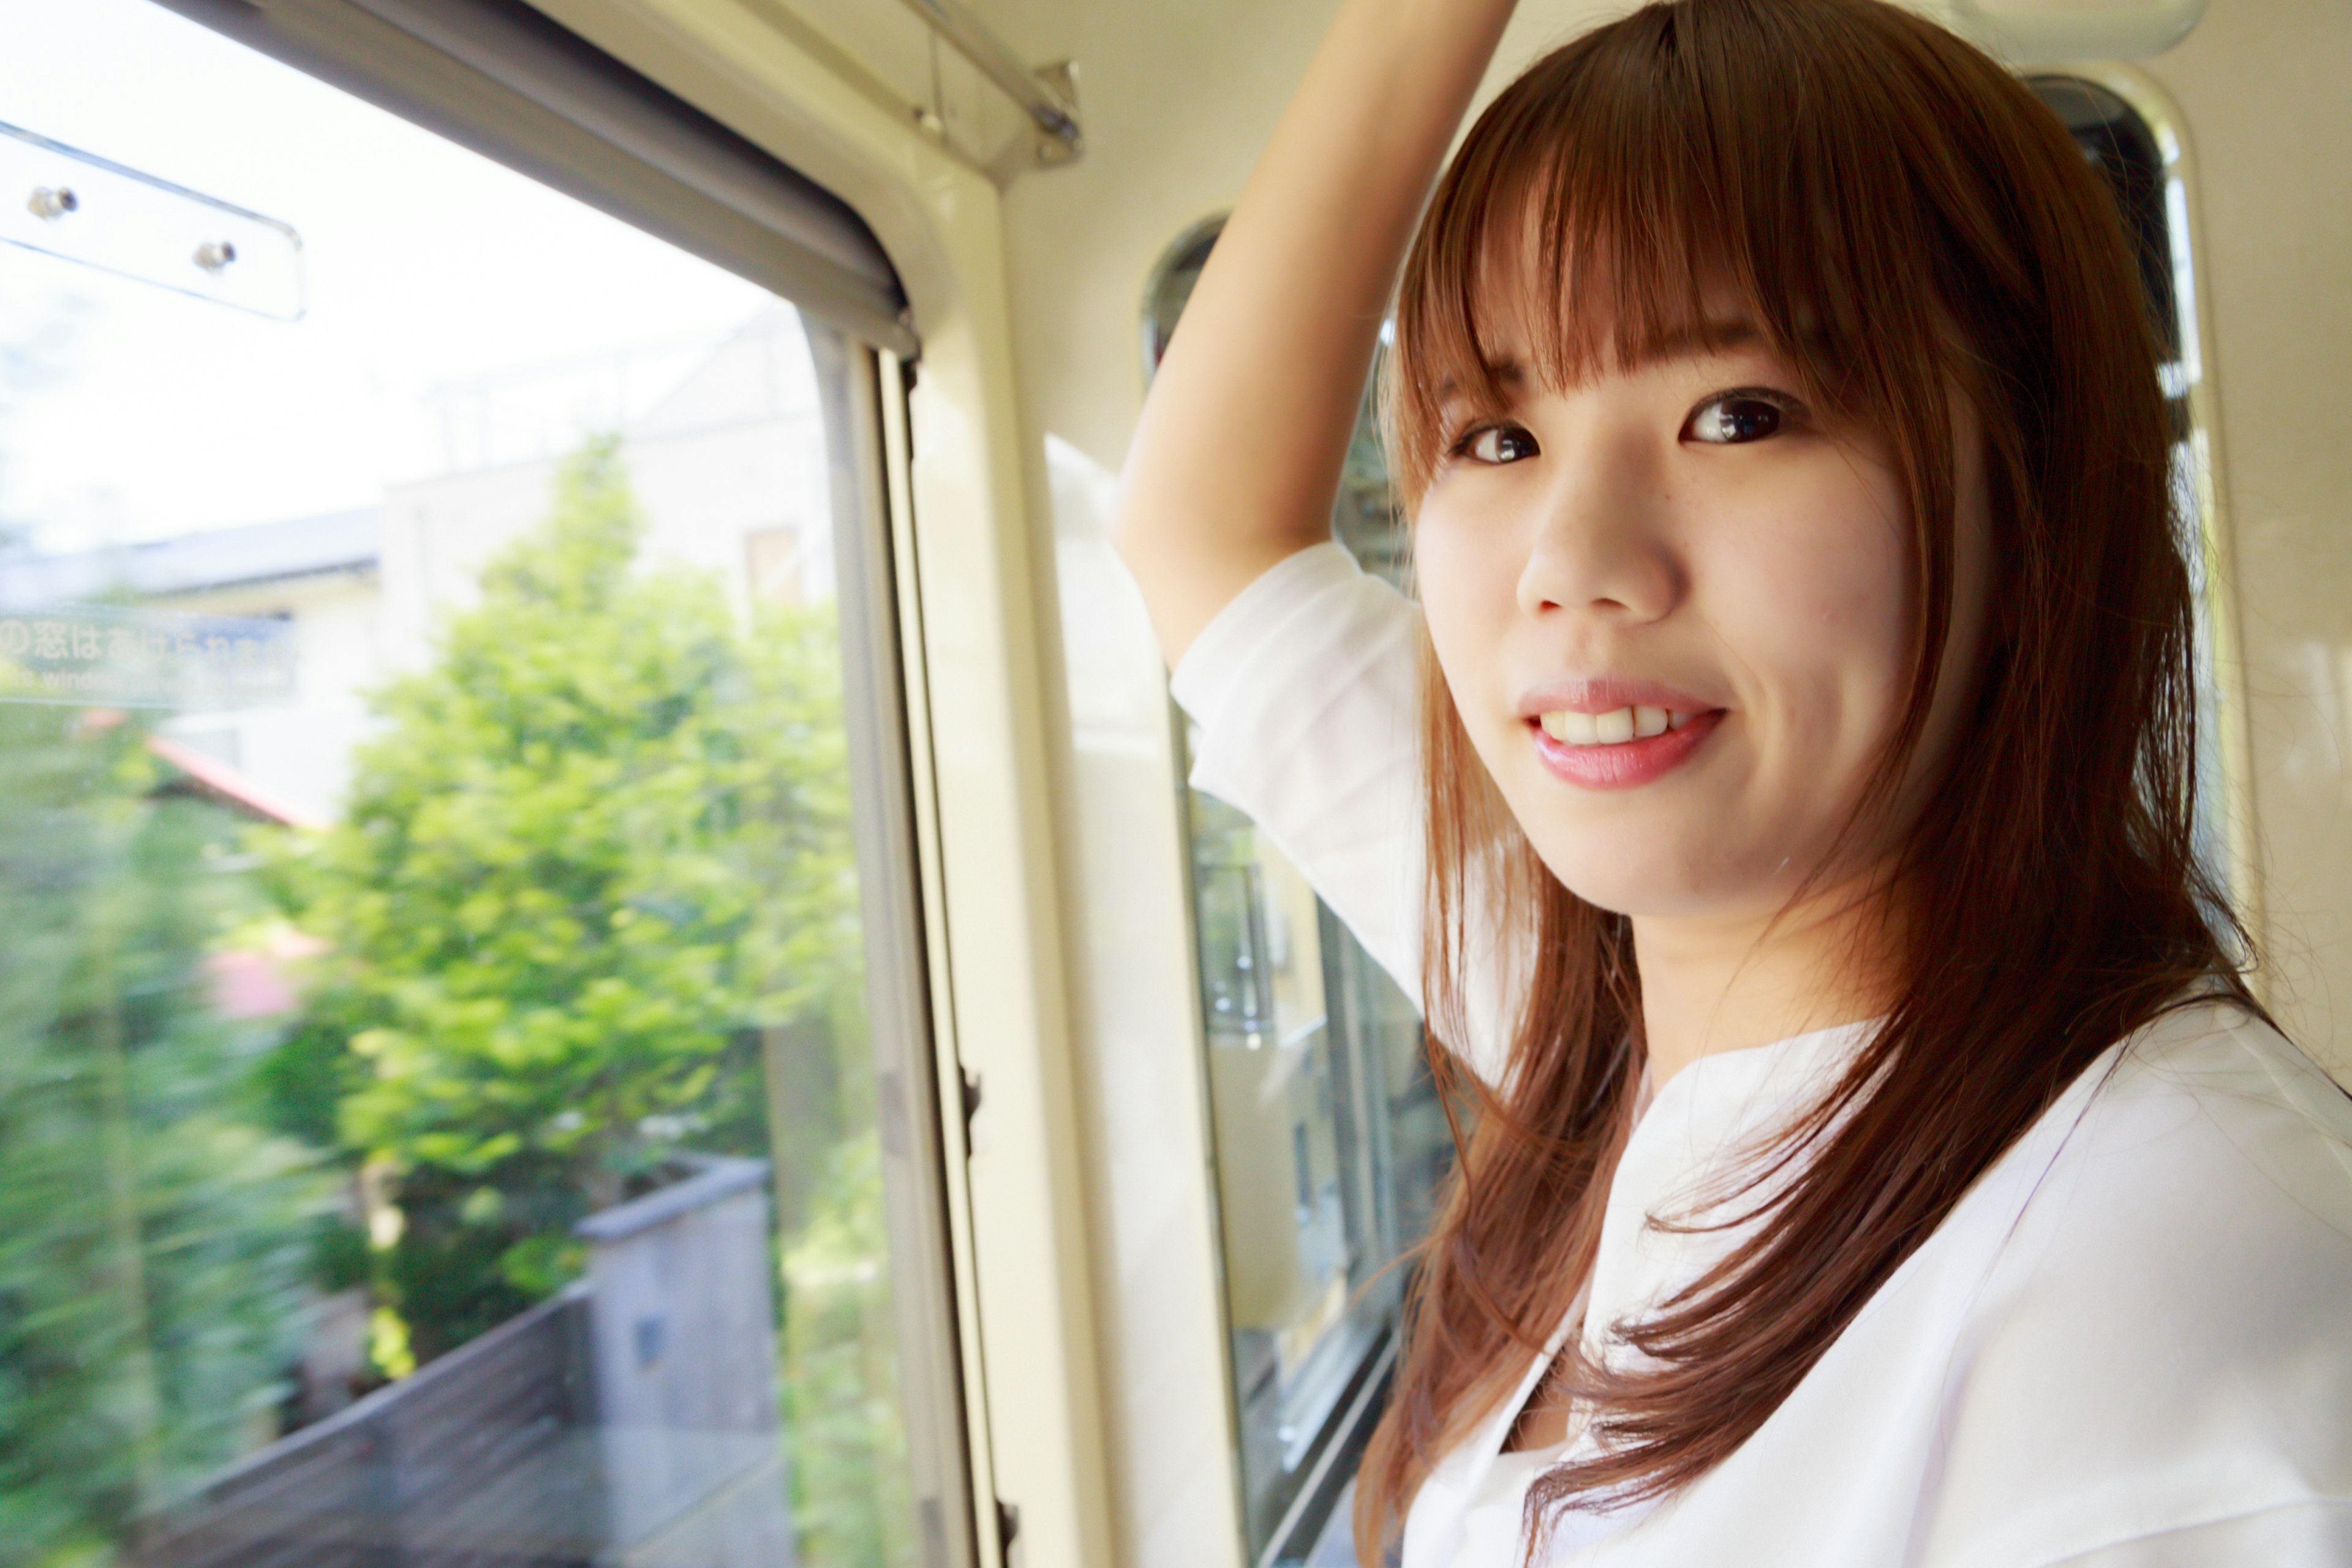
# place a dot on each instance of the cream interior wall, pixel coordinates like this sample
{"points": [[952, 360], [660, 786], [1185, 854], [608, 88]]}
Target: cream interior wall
{"points": [[2264, 90]]}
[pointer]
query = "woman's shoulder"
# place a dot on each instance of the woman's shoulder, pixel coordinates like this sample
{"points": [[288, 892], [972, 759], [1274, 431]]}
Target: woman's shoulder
{"points": [[2207, 1178], [2215, 1130], [2166, 1338], [2218, 1053]]}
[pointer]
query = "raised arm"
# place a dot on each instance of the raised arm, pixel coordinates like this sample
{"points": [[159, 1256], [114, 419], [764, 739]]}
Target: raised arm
{"points": [[1236, 460]]}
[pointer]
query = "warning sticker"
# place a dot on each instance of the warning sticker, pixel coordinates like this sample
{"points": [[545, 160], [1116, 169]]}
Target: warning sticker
{"points": [[119, 656]]}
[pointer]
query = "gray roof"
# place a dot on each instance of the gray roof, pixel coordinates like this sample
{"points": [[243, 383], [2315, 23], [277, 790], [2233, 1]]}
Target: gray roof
{"points": [[198, 563]]}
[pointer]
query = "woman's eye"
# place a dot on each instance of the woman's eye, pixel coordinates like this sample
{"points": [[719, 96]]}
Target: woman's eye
{"points": [[1498, 444], [1734, 416]]}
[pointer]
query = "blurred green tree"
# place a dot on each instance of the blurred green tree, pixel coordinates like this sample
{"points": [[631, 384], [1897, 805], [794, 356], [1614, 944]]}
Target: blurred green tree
{"points": [[154, 1238], [852, 1504], [597, 859]]}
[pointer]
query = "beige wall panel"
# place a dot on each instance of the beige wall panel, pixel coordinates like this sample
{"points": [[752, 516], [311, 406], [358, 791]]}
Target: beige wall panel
{"points": [[1161, 151], [2265, 88]]}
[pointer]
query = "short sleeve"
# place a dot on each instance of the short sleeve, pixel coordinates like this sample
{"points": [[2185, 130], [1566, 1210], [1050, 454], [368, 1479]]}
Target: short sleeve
{"points": [[1303, 687]]}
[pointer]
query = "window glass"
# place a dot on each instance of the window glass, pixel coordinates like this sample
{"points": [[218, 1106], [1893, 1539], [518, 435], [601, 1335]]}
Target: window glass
{"points": [[2148, 186], [1330, 1141], [436, 1113]]}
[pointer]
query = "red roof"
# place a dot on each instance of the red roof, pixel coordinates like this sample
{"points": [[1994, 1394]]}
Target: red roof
{"points": [[216, 780]]}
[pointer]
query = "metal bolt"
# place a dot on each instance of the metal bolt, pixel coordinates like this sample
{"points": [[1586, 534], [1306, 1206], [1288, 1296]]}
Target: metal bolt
{"points": [[50, 205], [215, 254]]}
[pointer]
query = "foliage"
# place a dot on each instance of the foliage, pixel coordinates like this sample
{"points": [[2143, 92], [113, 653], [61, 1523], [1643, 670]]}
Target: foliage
{"points": [[598, 850], [851, 1503], [592, 903], [152, 1237]]}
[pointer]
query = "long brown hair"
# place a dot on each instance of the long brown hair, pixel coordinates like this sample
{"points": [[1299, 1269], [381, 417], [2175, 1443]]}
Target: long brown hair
{"points": [[1906, 223]]}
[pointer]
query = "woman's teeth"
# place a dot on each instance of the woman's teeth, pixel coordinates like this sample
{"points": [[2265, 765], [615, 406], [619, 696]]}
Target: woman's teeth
{"points": [[1612, 729]]}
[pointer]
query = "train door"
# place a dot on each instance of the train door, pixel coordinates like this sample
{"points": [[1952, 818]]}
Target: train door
{"points": [[467, 1077]]}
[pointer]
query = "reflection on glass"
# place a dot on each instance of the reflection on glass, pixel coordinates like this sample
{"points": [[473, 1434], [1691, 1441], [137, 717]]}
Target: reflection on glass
{"points": [[436, 1119], [1330, 1143], [1329, 1146]]}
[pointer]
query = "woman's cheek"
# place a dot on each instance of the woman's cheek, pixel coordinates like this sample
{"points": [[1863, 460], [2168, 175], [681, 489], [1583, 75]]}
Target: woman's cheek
{"points": [[1821, 622], [1458, 582]]}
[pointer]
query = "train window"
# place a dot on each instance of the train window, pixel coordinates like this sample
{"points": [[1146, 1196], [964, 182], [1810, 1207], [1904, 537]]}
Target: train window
{"points": [[2141, 165], [1330, 1143], [462, 1045]]}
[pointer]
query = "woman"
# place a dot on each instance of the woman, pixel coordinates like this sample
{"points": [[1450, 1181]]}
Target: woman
{"points": [[1879, 1157]]}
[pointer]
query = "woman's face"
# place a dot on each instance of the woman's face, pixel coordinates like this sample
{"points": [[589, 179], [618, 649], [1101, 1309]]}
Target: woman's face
{"points": [[1674, 608]]}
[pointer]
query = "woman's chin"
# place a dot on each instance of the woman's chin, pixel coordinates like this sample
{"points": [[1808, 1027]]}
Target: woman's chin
{"points": [[1690, 877], [1626, 885], [1665, 881]]}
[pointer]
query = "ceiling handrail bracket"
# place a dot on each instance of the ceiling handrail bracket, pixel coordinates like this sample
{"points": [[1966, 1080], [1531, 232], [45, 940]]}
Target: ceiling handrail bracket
{"points": [[1047, 95]]}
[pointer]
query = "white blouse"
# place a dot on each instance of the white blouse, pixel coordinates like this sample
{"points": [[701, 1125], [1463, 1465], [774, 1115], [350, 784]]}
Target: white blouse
{"points": [[2129, 1346]]}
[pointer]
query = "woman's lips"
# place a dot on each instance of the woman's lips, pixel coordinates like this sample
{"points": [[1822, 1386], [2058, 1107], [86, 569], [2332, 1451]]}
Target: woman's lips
{"points": [[1624, 764]]}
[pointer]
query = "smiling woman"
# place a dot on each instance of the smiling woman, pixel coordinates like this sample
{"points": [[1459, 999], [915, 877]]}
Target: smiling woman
{"points": [[1800, 843], [1690, 544]]}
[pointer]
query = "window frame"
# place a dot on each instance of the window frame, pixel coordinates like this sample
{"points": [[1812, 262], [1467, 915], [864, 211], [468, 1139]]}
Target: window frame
{"points": [[500, 77]]}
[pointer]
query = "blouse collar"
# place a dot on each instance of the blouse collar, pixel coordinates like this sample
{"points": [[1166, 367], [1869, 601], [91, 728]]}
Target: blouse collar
{"points": [[1696, 1146]]}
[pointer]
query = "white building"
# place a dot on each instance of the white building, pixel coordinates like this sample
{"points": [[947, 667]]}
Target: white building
{"points": [[725, 448]]}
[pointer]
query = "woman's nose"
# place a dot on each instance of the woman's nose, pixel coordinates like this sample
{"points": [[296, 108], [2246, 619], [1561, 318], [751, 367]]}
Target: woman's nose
{"points": [[1599, 542]]}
